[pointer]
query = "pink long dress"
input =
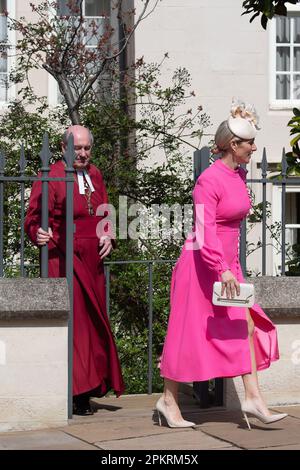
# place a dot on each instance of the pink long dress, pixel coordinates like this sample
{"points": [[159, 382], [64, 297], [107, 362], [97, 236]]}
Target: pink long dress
{"points": [[205, 341]]}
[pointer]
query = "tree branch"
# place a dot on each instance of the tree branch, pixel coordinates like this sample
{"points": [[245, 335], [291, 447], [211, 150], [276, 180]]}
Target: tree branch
{"points": [[74, 34]]}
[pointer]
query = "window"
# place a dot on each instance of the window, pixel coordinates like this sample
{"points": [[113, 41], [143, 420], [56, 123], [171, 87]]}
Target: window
{"points": [[6, 40], [96, 13], [3, 59], [93, 8], [285, 59], [292, 221], [293, 217]]}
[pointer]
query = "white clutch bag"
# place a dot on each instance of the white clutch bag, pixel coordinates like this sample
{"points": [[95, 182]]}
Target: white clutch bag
{"points": [[245, 299]]}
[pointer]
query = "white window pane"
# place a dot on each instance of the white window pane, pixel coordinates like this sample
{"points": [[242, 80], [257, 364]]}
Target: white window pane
{"points": [[97, 7], [3, 87], [282, 87], [63, 7], [296, 87], [292, 210], [3, 64], [95, 29], [282, 29], [3, 6], [3, 28], [291, 235], [283, 59], [297, 30], [297, 59]]}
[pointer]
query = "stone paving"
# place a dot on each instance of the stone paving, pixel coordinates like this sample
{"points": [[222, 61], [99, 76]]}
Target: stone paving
{"points": [[130, 423]]}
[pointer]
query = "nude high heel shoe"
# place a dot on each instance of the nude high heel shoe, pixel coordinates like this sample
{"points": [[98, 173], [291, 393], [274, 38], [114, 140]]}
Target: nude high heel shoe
{"points": [[249, 408], [162, 410]]}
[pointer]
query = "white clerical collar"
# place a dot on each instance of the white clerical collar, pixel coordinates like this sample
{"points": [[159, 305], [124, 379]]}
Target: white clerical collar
{"points": [[80, 175]]}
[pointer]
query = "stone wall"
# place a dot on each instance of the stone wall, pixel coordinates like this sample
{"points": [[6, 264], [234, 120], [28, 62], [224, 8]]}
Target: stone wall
{"points": [[33, 353]]}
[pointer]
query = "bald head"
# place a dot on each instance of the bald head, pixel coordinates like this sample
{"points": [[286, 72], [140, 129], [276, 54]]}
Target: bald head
{"points": [[83, 141], [77, 130]]}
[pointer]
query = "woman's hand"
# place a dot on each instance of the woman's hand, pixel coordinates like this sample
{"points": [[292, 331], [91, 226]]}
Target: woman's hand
{"points": [[230, 284]]}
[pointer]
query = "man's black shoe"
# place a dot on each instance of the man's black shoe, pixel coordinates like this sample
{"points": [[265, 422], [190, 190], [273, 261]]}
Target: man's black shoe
{"points": [[81, 406]]}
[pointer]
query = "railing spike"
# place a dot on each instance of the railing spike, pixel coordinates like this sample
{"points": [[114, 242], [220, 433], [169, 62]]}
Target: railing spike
{"points": [[264, 164], [45, 153]]}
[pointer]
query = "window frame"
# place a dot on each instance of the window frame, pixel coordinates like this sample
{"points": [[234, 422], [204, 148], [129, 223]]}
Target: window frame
{"points": [[11, 40], [293, 11], [276, 217]]}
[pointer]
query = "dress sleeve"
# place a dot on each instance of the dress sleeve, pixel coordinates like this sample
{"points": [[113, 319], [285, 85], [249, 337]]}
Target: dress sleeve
{"points": [[34, 211], [205, 204]]}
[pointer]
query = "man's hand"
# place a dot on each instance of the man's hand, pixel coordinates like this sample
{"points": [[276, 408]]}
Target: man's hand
{"points": [[43, 237], [105, 245], [230, 284]]}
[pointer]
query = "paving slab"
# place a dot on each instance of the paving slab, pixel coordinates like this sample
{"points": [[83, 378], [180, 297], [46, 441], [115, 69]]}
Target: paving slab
{"points": [[108, 408], [126, 404], [290, 410], [42, 440], [210, 418], [124, 428], [292, 447], [143, 405], [185, 440], [130, 422], [282, 433]]}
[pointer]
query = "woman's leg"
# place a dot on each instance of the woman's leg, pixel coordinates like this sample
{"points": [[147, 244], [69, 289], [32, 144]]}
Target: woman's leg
{"points": [[252, 391], [167, 406], [170, 397]]}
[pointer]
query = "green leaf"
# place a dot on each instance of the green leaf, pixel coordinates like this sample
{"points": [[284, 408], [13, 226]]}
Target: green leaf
{"points": [[295, 140], [296, 111], [280, 9], [264, 21], [289, 154], [294, 120], [297, 171], [254, 16]]}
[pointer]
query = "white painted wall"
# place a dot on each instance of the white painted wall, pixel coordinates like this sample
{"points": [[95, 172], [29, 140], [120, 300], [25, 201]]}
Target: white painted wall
{"points": [[38, 78], [226, 55], [33, 375]]}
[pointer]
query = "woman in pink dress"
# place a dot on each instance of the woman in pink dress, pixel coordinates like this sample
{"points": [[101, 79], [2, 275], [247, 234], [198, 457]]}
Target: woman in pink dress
{"points": [[204, 341]]}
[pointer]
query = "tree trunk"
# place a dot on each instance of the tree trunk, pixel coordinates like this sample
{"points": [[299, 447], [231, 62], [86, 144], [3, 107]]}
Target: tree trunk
{"points": [[66, 91], [74, 116]]}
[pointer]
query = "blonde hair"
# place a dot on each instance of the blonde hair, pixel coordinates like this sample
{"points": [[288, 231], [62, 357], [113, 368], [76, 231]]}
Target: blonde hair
{"points": [[223, 137]]}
